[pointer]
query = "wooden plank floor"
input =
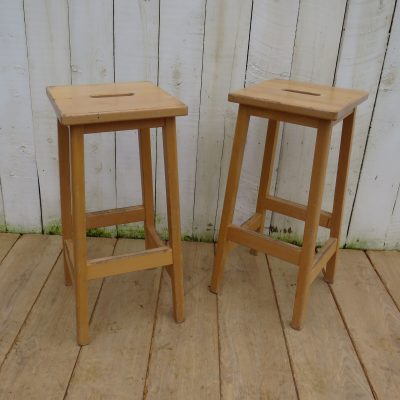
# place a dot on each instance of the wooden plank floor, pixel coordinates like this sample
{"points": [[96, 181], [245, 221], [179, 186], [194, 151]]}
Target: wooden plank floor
{"points": [[238, 345]]}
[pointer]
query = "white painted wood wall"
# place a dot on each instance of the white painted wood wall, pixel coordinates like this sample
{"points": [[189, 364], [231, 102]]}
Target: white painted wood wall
{"points": [[199, 50]]}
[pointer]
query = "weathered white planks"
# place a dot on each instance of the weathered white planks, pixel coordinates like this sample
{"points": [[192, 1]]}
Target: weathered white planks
{"points": [[47, 34], [224, 66], [136, 59], [91, 32], [206, 48], [378, 190], [18, 171], [314, 59], [181, 51], [359, 65], [273, 28]]}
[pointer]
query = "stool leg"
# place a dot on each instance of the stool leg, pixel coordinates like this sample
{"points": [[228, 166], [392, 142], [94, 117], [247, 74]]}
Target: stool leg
{"points": [[320, 162], [79, 234], [65, 191], [147, 182], [340, 190], [239, 141], [174, 225], [266, 172]]}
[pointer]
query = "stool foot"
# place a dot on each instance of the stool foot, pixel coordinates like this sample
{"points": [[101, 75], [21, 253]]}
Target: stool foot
{"points": [[329, 275], [253, 252], [295, 325]]}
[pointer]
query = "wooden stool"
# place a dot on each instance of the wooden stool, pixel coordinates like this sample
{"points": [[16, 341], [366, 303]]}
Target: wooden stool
{"points": [[89, 109], [304, 104]]}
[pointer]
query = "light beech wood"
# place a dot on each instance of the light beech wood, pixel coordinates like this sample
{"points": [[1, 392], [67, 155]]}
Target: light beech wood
{"points": [[116, 265], [79, 234], [115, 216], [300, 98], [112, 102], [294, 210], [303, 104], [232, 184], [340, 189], [65, 190], [147, 183], [174, 223], [85, 109], [266, 171]]}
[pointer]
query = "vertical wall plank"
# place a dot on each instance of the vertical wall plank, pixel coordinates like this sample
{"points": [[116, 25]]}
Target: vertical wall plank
{"points": [[271, 45], [314, 59], [181, 52], [18, 171], [2, 218], [136, 59], [49, 64], [224, 67], [360, 62], [373, 223], [91, 31]]}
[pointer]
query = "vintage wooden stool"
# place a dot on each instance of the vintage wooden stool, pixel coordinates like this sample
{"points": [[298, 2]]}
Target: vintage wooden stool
{"points": [[304, 104], [89, 109]]}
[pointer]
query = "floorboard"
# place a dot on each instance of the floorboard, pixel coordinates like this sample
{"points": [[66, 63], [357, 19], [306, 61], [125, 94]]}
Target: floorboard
{"points": [[121, 332], [373, 321], [22, 275], [387, 265], [184, 357], [324, 361], [254, 359], [42, 359], [7, 241]]}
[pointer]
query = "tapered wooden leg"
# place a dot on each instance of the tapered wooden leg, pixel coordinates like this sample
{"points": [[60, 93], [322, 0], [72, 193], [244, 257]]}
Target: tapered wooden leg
{"points": [[239, 141], [79, 234], [147, 182], [266, 172], [173, 211], [65, 191], [320, 162], [340, 190]]}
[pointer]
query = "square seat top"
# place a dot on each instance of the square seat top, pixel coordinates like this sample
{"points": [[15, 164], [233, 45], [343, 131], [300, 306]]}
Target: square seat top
{"points": [[112, 102], [312, 100]]}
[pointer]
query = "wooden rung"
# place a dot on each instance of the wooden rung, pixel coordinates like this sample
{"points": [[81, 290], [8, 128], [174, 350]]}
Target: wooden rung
{"points": [[114, 216], [294, 210], [322, 257], [68, 248], [259, 242], [252, 224], [115, 265], [154, 237]]}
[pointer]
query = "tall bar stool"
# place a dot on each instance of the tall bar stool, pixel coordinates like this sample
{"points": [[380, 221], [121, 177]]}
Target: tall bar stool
{"points": [[90, 109], [304, 104]]}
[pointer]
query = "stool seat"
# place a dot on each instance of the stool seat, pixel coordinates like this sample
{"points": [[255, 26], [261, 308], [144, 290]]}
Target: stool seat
{"points": [[324, 102], [112, 102]]}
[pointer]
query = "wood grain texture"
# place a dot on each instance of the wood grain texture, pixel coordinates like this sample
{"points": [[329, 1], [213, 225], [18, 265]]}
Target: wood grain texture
{"points": [[387, 265], [92, 62], [22, 275], [273, 29], [18, 170], [46, 346], [254, 365], [359, 65], [184, 357], [314, 60], [136, 59], [7, 240], [372, 319], [324, 362], [121, 329], [224, 65], [47, 34], [380, 175], [180, 68]]}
